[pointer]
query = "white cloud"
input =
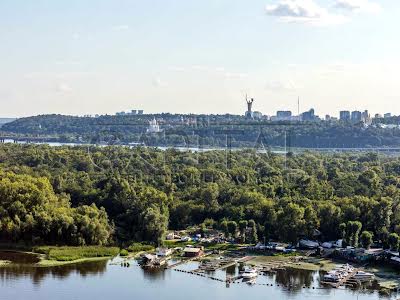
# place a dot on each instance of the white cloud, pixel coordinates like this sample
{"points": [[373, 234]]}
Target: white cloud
{"points": [[76, 36], [177, 69], [200, 68], [64, 87], [120, 27], [235, 75], [158, 82], [68, 62], [304, 11], [210, 70], [279, 85], [219, 69], [358, 6]]}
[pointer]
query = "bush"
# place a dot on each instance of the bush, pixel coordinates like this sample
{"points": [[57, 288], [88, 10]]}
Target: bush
{"points": [[74, 253], [124, 252], [138, 247], [42, 250]]}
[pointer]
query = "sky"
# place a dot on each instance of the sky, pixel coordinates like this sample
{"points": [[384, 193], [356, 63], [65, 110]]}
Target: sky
{"points": [[102, 56]]}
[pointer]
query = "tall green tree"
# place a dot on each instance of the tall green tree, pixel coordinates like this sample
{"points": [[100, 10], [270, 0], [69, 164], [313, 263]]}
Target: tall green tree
{"points": [[253, 237], [366, 239], [243, 227], [394, 241]]}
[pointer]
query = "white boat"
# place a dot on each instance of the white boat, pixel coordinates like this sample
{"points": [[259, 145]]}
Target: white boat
{"points": [[348, 268], [345, 269], [332, 277], [338, 273], [249, 274], [251, 281], [363, 276]]}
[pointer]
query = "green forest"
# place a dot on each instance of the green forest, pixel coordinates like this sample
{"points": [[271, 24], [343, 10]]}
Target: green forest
{"points": [[109, 195]]}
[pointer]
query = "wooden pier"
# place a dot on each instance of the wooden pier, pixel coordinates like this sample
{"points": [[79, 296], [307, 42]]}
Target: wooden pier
{"points": [[348, 280], [221, 264], [186, 260]]}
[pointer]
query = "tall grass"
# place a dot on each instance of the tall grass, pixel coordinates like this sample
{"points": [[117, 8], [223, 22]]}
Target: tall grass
{"points": [[138, 247], [75, 253]]}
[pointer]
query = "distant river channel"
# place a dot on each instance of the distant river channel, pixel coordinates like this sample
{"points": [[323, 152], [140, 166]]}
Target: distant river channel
{"points": [[259, 149], [105, 280]]}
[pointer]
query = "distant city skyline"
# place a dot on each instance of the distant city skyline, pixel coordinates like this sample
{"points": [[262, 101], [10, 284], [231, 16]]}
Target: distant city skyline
{"points": [[198, 57]]}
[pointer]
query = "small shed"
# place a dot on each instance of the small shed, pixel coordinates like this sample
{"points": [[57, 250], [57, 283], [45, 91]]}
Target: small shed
{"points": [[192, 252], [164, 252]]}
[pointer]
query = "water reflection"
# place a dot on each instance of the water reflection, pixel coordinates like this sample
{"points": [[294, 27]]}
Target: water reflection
{"points": [[106, 277], [154, 273], [231, 271], [294, 278], [22, 267], [19, 257]]}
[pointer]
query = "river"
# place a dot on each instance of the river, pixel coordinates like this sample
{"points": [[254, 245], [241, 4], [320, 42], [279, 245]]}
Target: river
{"points": [[103, 280], [259, 149]]}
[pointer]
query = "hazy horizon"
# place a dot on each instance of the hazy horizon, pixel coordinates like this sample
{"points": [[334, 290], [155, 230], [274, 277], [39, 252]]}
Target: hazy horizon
{"points": [[198, 57]]}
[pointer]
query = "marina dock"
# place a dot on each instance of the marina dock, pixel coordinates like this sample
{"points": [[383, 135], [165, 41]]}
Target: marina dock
{"points": [[186, 260], [348, 280]]}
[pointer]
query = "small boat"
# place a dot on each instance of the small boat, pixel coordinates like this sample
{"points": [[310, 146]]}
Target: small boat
{"points": [[249, 274], [338, 273], [347, 268], [307, 244], [363, 276], [152, 261], [251, 281], [331, 277]]}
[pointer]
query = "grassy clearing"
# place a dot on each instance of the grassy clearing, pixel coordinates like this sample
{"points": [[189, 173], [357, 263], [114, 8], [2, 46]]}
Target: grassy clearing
{"points": [[4, 263], [140, 247], [207, 246], [314, 264], [222, 247], [390, 285], [327, 265], [268, 259], [177, 243], [305, 266], [69, 254], [56, 263], [309, 264]]}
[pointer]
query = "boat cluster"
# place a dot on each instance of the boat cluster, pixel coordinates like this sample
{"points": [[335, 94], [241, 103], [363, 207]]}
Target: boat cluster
{"points": [[339, 273], [363, 276], [347, 271]]}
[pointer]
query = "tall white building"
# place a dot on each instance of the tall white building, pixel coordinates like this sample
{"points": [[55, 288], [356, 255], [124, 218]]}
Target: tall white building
{"points": [[153, 127]]}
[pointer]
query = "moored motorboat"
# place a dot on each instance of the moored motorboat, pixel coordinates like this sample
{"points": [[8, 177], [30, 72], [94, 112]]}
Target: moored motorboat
{"points": [[249, 274], [339, 273], [331, 277], [363, 276]]}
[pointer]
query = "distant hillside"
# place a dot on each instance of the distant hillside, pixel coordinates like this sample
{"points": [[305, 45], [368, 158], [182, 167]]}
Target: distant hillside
{"points": [[203, 131], [6, 120]]}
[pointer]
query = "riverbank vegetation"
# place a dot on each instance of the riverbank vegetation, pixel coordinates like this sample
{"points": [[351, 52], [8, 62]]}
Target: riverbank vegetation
{"points": [[30, 211], [140, 247], [98, 195], [76, 253]]}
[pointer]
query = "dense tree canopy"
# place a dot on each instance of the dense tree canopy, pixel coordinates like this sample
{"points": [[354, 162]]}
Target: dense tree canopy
{"points": [[78, 194], [31, 211]]}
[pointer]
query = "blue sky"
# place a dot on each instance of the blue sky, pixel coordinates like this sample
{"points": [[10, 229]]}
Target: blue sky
{"points": [[85, 57]]}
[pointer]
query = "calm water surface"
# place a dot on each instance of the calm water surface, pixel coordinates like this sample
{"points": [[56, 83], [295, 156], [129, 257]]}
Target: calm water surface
{"points": [[107, 280]]}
